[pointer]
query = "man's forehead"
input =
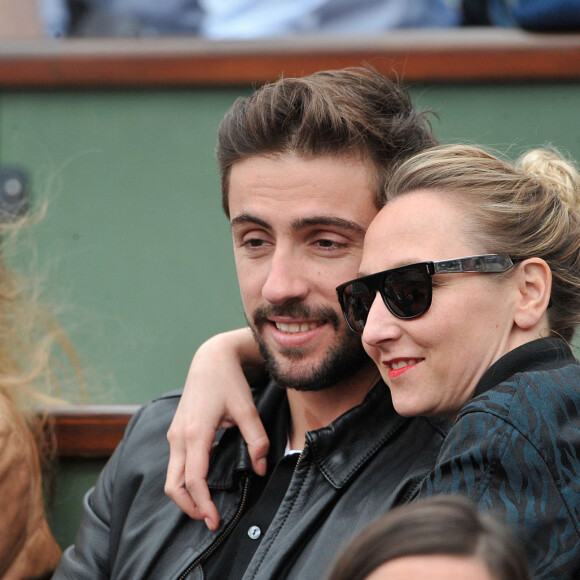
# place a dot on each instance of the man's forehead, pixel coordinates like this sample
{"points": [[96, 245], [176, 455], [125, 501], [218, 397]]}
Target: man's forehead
{"points": [[291, 172], [300, 193]]}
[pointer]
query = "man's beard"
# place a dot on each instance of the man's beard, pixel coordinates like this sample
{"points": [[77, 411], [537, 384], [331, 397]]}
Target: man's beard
{"points": [[342, 360]]}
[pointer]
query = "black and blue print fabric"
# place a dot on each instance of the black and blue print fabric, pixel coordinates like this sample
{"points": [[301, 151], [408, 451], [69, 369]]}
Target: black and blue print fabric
{"points": [[515, 451]]}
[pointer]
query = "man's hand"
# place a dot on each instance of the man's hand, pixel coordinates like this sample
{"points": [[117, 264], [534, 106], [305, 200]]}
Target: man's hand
{"points": [[216, 395]]}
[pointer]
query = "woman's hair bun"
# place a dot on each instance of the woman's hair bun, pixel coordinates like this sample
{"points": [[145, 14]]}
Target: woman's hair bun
{"points": [[555, 173]]}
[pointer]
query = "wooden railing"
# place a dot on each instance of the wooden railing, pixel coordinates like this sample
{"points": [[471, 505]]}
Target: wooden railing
{"points": [[447, 55], [89, 431]]}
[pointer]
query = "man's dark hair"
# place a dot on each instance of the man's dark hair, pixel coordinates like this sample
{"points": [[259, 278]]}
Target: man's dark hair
{"points": [[353, 111]]}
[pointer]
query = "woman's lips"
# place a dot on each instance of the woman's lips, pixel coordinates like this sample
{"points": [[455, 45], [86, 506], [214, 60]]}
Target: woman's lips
{"points": [[398, 367]]}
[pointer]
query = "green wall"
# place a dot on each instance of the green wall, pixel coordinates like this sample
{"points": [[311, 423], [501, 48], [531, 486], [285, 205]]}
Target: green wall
{"points": [[134, 246]]}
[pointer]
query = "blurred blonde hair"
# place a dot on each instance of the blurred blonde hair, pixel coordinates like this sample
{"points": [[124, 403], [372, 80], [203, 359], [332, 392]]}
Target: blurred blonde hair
{"points": [[36, 355], [530, 208]]}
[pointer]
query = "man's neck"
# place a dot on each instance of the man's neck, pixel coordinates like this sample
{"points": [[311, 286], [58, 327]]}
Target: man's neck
{"points": [[310, 410]]}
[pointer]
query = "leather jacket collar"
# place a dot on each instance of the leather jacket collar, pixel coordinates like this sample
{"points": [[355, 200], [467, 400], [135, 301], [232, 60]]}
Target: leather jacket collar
{"points": [[338, 450]]}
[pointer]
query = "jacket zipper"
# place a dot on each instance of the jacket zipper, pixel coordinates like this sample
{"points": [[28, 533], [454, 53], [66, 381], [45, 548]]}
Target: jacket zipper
{"points": [[224, 532], [298, 461], [302, 453]]}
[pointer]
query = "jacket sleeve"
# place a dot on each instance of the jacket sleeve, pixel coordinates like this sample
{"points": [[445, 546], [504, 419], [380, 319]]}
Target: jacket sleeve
{"points": [[506, 472], [91, 554]]}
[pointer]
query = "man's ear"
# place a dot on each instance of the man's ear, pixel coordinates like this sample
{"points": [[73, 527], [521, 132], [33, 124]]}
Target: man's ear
{"points": [[534, 284]]}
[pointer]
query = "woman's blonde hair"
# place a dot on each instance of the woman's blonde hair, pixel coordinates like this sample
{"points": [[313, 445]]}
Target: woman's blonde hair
{"points": [[36, 355], [525, 209]]}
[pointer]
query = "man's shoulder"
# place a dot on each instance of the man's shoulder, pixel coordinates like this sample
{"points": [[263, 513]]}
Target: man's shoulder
{"points": [[155, 415], [166, 401], [145, 437], [170, 398]]}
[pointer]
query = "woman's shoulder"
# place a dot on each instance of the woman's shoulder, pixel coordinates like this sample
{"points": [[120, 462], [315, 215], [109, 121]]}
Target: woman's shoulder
{"points": [[541, 406], [540, 387]]}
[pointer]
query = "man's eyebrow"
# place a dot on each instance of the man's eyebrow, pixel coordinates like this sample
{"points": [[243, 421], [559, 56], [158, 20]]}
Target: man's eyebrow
{"points": [[331, 221], [245, 218], [328, 221]]}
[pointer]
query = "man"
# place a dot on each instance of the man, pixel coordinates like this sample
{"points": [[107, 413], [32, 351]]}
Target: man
{"points": [[303, 165]]}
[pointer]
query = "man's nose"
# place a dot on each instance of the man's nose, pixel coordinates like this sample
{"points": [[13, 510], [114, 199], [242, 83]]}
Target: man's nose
{"points": [[287, 278]]}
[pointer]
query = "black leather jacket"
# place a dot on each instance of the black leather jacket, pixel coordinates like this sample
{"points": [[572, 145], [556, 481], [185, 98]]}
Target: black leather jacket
{"points": [[350, 472]]}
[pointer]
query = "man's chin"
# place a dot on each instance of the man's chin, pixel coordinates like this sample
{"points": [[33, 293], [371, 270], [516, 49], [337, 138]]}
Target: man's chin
{"points": [[294, 370], [295, 379]]}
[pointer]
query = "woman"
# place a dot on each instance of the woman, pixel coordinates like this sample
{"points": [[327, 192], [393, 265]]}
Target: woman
{"points": [[28, 338], [479, 333], [469, 291], [438, 538]]}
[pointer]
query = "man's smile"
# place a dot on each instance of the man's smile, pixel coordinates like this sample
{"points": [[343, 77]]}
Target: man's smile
{"points": [[294, 327]]}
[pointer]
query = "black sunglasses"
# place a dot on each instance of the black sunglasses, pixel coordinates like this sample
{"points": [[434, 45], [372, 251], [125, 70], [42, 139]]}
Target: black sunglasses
{"points": [[407, 291]]}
